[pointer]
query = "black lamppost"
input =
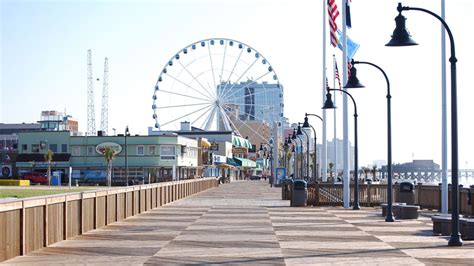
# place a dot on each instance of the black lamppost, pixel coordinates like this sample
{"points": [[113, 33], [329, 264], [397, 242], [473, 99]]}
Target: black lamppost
{"points": [[401, 37], [127, 133], [300, 132], [353, 82], [328, 104], [285, 149], [306, 124], [294, 137]]}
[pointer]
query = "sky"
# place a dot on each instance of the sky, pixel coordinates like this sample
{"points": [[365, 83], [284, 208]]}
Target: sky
{"points": [[44, 62]]}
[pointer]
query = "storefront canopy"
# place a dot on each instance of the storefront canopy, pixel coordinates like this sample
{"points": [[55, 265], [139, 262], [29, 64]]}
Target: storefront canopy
{"points": [[241, 142], [245, 162], [233, 162]]}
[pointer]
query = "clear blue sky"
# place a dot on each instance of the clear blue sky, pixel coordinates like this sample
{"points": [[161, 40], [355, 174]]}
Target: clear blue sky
{"points": [[44, 50]]}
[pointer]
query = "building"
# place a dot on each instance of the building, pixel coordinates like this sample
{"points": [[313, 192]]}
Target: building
{"points": [[227, 154], [255, 101], [140, 158], [414, 166], [57, 121], [9, 145], [335, 150]]}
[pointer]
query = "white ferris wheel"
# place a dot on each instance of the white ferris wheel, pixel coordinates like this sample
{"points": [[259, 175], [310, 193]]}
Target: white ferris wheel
{"points": [[218, 84]]}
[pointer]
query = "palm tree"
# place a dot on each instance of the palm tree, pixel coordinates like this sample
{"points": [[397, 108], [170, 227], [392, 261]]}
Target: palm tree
{"points": [[331, 165], [109, 156], [48, 157]]}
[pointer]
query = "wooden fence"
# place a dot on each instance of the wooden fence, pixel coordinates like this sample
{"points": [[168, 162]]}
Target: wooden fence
{"points": [[426, 196], [33, 223]]}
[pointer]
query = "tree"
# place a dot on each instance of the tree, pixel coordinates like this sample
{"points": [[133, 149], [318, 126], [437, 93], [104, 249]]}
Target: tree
{"points": [[48, 157], [331, 165], [109, 156]]}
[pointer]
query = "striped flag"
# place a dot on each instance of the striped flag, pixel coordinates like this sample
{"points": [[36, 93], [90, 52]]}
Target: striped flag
{"points": [[336, 74], [333, 14], [349, 66]]}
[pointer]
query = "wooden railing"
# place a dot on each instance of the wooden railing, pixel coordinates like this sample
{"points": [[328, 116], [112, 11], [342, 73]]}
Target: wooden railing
{"points": [[426, 196], [33, 223]]}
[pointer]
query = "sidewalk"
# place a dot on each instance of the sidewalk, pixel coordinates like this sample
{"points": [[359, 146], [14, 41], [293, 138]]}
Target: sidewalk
{"points": [[247, 223]]}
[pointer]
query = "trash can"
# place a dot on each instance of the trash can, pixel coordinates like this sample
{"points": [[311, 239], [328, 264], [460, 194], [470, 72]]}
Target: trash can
{"points": [[300, 194], [286, 187], [406, 193]]}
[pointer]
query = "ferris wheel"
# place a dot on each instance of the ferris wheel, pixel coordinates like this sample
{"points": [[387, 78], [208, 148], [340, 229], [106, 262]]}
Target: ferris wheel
{"points": [[218, 85]]}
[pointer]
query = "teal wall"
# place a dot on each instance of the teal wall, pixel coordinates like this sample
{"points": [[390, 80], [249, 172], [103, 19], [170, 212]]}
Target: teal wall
{"points": [[77, 146]]}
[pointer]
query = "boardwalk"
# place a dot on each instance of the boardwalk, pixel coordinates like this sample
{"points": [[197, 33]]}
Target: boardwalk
{"points": [[247, 223]]}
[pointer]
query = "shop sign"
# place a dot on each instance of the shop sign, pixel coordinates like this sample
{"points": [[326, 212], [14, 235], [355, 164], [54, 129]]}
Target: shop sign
{"points": [[239, 150], [100, 149], [219, 159]]}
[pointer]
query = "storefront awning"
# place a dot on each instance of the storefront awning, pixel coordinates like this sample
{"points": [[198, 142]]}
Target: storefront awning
{"points": [[232, 162], [245, 162], [205, 143], [241, 142]]}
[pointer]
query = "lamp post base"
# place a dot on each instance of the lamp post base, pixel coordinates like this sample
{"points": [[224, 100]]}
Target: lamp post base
{"points": [[389, 218], [455, 240]]}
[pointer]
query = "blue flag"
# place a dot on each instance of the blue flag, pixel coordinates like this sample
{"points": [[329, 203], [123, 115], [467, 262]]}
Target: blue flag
{"points": [[351, 45]]}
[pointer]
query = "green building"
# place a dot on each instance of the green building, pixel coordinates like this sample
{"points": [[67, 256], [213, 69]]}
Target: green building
{"points": [[147, 158]]}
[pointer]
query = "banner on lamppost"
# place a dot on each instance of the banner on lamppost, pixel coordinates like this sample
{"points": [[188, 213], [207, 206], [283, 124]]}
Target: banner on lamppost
{"points": [[280, 174]]}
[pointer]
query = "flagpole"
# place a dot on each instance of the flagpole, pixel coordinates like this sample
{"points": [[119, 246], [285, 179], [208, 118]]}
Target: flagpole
{"points": [[334, 141], [324, 149], [345, 128], [444, 117]]}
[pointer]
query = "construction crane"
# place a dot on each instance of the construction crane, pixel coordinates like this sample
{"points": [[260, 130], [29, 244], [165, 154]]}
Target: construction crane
{"points": [[104, 121], [90, 97]]}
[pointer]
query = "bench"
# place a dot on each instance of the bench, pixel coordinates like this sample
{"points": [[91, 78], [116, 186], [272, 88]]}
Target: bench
{"points": [[442, 224], [467, 228], [395, 208], [407, 212]]}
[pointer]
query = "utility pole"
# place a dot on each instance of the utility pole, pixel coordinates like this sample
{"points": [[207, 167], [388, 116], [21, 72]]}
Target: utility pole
{"points": [[104, 121], [90, 97]]}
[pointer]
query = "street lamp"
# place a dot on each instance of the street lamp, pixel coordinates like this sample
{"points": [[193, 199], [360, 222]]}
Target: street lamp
{"points": [[295, 150], [285, 149], [127, 133], [305, 125], [307, 149], [295, 136], [328, 104], [401, 37], [264, 156], [353, 82]]}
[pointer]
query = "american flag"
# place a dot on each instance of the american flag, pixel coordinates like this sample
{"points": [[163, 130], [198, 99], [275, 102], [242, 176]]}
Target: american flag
{"points": [[349, 66], [336, 75], [333, 14]]}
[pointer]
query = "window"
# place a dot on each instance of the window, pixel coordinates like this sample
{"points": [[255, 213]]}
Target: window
{"points": [[140, 150], [151, 150], [24, 147], [167, 152], [76, 151], [64, 148], [90, 151], [35, 148], [53, 147]]}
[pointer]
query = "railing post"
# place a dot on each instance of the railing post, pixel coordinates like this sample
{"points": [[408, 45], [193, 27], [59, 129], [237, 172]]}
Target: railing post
{"points": [[316, 193], [46, 222], [369, 195], [65, 220]]}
